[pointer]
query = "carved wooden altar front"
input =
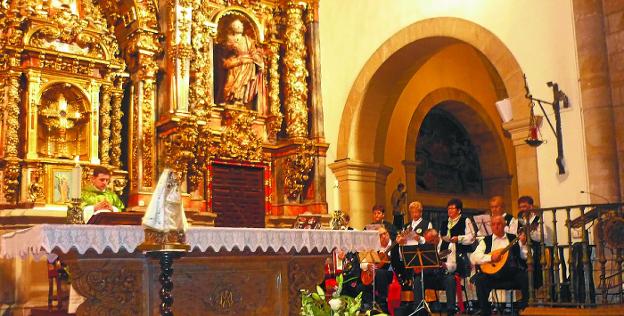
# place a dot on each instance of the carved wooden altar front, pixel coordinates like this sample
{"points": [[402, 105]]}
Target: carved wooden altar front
{"points": [[228, 271], [225, 283]]}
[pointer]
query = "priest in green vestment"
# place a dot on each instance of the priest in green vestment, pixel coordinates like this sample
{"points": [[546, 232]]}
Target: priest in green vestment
{"points": [[97, 197]]}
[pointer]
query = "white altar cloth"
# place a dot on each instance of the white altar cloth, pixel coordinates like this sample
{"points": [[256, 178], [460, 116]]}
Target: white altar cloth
{"points": [[41, 240]]}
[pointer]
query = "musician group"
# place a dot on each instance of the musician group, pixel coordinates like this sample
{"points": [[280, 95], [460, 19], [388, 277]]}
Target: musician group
{"points": [[499, 256]]}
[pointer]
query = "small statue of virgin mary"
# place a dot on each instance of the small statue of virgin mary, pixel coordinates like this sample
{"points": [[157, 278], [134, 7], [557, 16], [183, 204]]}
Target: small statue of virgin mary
{"points": [[164, 221]]}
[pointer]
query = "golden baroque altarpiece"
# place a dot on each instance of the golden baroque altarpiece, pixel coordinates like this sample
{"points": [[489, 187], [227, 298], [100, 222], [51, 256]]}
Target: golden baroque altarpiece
{"points": [[137, 85]]}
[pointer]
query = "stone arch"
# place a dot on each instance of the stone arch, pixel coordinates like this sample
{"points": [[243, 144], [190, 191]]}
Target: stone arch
{"points": [[499, 158], [436, 33], [380, 83]]}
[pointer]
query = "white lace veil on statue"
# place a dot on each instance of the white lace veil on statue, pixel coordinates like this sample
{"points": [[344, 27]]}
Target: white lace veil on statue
{"points": [[165, 211]]}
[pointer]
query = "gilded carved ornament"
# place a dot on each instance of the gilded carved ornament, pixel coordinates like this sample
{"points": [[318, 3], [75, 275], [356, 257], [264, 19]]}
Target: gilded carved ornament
{"points": [[274, 124], [296, 88], [11, 180], [13, 112], [35, 189], [105, 125], [119, 184], [116, 116], [239, 140], [202, 33], [297, 170]]}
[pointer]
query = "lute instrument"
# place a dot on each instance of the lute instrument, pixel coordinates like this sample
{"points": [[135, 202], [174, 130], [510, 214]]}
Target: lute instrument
{"points": [[494, 267], [368, 276]]}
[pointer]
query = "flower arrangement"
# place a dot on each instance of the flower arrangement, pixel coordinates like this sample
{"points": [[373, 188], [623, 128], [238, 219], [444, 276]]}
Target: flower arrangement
{"points": [[315, 304]]}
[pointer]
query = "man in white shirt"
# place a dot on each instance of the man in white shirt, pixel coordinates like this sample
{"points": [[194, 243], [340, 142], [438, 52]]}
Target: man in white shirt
{"points": [[441, 278], [513, 273], [382, 273]]}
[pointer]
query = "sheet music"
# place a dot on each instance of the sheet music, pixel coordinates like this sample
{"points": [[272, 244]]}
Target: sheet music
{"points": [[410, 236], [484, 223]]}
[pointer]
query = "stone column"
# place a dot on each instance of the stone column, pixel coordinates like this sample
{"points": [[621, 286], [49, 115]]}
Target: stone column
{"points": [[613, 11], [362, 185], [295, 72], [314, 50], [597, 111], [526, 160], [105, 124], [316, 102]]}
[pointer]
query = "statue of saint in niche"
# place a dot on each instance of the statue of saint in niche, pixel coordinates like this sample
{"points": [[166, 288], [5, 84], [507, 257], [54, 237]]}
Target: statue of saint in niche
{"points": [[241, 68]]}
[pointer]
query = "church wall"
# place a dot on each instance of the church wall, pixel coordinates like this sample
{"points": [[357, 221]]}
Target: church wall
{"points": [[539, 34]]}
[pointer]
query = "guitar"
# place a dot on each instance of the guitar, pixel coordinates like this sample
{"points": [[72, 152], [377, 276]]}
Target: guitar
{"points": [[368, 276], [494, 267]]}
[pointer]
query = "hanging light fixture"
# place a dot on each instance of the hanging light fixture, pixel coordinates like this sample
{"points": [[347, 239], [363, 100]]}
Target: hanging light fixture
{"points": [[559, 99], [534, 138]]}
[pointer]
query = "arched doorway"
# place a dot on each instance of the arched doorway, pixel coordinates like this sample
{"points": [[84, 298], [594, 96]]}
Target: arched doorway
{"points": [[435, 61]]}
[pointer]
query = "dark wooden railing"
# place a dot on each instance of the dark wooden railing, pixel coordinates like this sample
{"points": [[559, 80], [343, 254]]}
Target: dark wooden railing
{"points": [[562, 284]]}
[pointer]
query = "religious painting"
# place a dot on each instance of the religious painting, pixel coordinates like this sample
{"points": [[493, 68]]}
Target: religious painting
{"points": [[447, 161], [60, 184]]}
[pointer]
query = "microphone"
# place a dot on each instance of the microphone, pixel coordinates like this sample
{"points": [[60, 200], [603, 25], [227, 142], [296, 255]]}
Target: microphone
{"points": [[596, 194]]}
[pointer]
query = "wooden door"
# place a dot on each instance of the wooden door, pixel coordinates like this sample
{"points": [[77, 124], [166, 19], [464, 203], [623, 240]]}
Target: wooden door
{"points": [[238, 195]]}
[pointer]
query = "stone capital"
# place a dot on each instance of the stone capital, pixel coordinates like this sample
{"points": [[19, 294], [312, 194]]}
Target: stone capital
{"points": [[355, 170]]}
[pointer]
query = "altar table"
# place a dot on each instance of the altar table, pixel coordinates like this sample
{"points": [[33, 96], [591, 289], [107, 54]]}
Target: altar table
{"points": [[229, 271]]}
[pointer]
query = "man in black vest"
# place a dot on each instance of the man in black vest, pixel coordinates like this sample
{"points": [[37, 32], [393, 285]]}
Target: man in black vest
{"points": [[513, 272], [497, 208], [459, 230], [441, 278], [526, 211]]}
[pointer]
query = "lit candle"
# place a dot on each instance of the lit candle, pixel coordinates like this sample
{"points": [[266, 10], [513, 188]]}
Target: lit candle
{"points": [[336, 197], [76, 179]]}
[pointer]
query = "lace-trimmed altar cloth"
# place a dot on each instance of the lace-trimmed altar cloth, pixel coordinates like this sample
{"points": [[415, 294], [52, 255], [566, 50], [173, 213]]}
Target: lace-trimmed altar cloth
{"points": [[41, 240]]}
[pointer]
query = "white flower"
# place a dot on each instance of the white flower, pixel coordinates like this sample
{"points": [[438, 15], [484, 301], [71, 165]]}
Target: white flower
{"points": [[336, 304]]}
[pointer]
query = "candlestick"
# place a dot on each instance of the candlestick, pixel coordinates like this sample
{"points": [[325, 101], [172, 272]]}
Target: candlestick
{"points": [[336, 194], [76, 180]]}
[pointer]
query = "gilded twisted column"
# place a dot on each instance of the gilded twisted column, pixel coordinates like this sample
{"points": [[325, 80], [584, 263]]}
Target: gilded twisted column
{"points": [[116, 115], [105, 124], [296, 90], [12, 167], [275, 117]]}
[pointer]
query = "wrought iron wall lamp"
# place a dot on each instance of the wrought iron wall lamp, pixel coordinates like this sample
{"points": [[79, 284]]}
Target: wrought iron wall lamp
{"points": [[559, 99]]}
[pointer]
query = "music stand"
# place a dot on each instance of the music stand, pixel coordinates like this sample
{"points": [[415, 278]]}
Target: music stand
{"points": [[371, 257], [423, 256], [484, 224]]}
